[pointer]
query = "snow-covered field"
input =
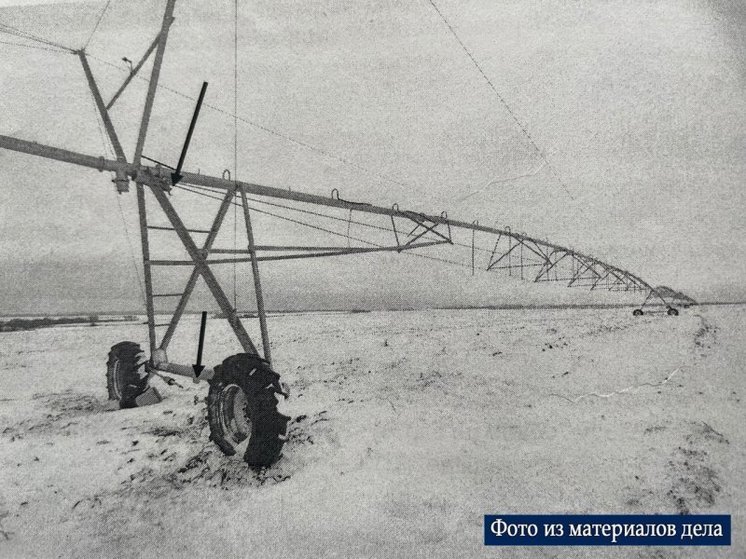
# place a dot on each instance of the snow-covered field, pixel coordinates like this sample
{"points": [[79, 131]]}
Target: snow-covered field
{"points": [[408, 427]]}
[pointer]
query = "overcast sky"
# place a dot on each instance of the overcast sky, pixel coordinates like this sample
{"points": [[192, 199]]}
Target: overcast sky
{"points": [[21, 3], [639, 107]]}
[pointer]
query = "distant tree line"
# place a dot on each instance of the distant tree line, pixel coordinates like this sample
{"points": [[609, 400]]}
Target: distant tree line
{"points": [[15, 324]]}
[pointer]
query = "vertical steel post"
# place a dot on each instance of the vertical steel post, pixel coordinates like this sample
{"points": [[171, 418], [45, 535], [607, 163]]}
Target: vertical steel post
{"points": [[650, 294], [521, 260], [257, 283], [141, 208], [510, 250], [473, 235], [149, 306], [154, 75]]}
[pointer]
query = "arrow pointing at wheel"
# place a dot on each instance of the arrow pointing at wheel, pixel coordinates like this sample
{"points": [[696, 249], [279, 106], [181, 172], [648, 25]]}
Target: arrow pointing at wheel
{"points": [[199, 367], [176, 176]]}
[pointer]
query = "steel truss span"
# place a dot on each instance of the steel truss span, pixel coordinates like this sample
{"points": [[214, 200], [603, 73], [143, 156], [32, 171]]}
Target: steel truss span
{"points": [[511, 253], [515, 253]]}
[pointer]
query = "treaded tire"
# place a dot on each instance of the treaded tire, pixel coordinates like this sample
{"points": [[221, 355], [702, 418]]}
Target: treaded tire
{"points": [[241, 403], [637, 312], [123, 381]]}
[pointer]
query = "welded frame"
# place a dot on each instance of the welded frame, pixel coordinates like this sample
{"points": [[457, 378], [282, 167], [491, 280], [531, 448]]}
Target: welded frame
{"points": [[201, 265], [201, 268], [585, 271]]}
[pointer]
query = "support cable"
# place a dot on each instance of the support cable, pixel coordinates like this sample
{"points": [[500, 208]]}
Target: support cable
{"points": [[104, 139], [235, 145], [35, 47], [502, 100], [4, 28], [10, 30], [132, 252], [331, 232], [210, 193], [51, 46], [98, 22], [332, 217], [110, 150], [264, 128], [349, 225]]}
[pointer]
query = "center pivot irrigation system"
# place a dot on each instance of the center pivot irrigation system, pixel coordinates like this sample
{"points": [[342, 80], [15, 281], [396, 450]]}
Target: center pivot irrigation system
{"points": [[244, 390]]}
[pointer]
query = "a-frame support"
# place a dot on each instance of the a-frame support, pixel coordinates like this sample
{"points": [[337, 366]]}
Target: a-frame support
{"points": [[201, 266], [197, 255]]}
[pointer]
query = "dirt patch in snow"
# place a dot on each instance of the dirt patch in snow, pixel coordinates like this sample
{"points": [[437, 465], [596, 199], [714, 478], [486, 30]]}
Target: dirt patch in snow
{"points": [[695, 483], [205, 465], [705, 337], [58, 413], [691, 481]]}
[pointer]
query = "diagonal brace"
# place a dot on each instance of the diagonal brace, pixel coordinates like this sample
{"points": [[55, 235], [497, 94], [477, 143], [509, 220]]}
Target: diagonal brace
{"points": [[204, 270], [135, 70], [192, 282]]}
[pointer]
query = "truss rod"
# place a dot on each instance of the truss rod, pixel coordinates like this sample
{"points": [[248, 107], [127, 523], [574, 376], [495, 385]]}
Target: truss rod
{"points": [[160, 177], [134, 71], [100, 106], [162, 228], [335, 252]]}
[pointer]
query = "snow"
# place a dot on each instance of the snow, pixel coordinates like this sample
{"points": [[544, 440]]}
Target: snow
{"points": [[408, 427]]}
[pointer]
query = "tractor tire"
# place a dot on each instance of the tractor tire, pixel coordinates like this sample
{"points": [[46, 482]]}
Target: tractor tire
{"points": [[637, 312], [241, 404], [126, 378], [672, 311]]}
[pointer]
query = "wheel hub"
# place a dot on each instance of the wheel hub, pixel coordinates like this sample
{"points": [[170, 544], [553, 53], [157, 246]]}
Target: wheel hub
{"points": [[118, 381], [233, 414]]}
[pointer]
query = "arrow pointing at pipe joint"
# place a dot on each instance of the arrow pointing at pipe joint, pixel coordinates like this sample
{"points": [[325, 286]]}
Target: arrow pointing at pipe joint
{"points": [[176, 176]]}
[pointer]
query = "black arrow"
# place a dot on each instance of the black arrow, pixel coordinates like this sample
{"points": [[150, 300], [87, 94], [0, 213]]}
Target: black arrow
{"points": [[176, 175], [199, 367]]}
